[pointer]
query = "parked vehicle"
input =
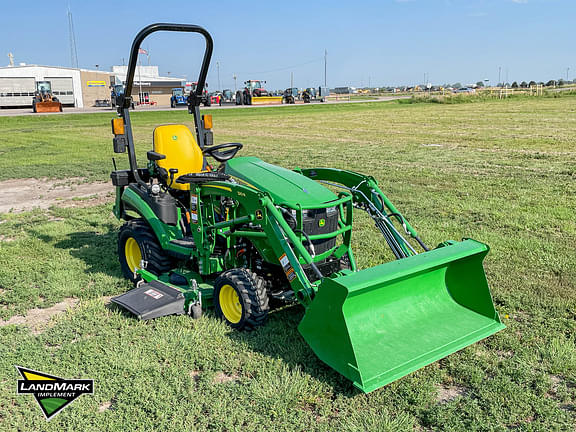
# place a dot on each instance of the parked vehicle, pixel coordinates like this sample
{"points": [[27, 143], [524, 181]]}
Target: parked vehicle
{"points": [[178, 97]]}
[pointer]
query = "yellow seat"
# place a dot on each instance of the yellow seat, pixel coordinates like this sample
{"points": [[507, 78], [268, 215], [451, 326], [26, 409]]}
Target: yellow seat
{"points": [[182, 152]]}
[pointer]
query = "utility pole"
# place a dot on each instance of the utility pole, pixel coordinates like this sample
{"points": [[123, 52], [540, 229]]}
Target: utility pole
{"points": [[291, 79], [567, 70], [234, 78], [325, 62], [218, 69], [499, 73]]}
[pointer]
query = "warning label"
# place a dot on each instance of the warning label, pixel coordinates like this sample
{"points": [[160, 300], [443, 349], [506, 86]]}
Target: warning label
{"points": [[284, 261], [288, 270], [154, 294]]}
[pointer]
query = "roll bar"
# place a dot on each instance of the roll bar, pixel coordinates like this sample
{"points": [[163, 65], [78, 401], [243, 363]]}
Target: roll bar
{"points": [[152, 28], [125, 100]]}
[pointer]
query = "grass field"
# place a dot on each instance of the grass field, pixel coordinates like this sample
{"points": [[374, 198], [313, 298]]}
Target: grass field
{"points": [[503, 172]]}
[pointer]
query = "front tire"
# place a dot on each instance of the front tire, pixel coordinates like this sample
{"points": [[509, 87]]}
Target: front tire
{"points": [[240, 299], [137, 242]]}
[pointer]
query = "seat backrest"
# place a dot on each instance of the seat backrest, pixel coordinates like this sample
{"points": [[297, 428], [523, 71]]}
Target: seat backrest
{"points": [[179, 146]]}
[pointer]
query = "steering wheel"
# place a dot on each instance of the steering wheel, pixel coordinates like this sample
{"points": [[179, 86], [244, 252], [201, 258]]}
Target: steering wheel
{"points": [[223, 152]]}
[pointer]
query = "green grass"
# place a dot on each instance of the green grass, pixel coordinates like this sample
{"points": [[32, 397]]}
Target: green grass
{"points": [[499, 171]]}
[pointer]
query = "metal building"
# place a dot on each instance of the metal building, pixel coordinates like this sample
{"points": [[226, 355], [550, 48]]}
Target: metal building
{"points": [[18, 84], [82, 87]]}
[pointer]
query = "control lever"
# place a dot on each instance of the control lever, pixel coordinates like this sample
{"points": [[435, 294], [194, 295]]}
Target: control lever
{"points": [[172, 171]]}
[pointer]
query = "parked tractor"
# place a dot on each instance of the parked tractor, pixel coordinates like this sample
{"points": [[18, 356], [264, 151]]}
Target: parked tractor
{"points": [[204, 97], [290, 95], [178, 98], [206, 228], [227, 96], [43, 100], [254, 93]]}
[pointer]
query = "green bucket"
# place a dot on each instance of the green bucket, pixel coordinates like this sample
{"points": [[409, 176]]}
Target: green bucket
{"points": [[378, 325]]}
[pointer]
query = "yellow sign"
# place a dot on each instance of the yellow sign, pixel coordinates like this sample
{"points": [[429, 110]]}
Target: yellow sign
{"points": [[96, 83]]}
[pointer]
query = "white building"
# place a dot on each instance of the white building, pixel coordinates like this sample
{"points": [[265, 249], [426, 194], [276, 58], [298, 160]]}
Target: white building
{"points": [[82, 87]]}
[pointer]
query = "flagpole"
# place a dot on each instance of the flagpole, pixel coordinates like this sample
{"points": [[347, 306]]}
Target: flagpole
{"points": [[140, 96]]}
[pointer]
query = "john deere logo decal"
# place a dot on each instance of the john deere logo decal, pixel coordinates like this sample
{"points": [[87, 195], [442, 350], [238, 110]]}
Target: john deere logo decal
{"points": [[174, 137], [321, 222], [51, 392]]}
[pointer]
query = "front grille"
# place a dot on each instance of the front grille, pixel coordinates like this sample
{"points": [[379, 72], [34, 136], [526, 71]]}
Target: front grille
{"points": [[317, 221], [313, 225], [326, 267]]}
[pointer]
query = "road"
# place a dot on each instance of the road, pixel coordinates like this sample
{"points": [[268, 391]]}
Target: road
{"points": [[28, 111]]}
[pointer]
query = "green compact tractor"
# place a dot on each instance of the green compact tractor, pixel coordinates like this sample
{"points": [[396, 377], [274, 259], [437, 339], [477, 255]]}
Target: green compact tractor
{"points": [[206, 229]]}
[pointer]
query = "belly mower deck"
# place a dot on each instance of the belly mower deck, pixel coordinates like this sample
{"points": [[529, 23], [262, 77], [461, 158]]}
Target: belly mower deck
{"points": [[152, 300]]}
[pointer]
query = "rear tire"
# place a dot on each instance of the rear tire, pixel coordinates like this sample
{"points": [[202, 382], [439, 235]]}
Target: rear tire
{"points": [[136, 242], [240, 299]]}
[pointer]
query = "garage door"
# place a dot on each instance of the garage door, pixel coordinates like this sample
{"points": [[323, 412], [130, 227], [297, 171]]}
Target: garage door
{"points": [[63, 89], [16, 91]]}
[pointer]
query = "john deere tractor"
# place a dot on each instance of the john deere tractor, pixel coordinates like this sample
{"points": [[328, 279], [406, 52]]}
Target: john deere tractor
{"points": [[207, 229]]}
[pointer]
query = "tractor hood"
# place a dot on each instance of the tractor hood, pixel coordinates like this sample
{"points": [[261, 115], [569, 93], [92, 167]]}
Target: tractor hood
{"points": [[284, 185]]}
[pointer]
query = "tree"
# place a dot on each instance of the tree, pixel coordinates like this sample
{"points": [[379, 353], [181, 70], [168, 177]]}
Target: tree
{"points": [[561, 82], [551, 83], [532, 84], [514, 84], [457, 85], [479, 84], [523, 84]]}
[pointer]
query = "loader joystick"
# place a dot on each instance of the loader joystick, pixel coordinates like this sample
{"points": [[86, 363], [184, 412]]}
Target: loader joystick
{"points": [[173, 172]]}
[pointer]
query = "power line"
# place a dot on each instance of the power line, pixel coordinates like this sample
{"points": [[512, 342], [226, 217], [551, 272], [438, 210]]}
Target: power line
{"points": [[317, 60]]}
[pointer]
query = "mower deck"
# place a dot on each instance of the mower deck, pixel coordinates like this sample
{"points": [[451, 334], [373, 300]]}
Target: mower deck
{"points": [[152, 300]]}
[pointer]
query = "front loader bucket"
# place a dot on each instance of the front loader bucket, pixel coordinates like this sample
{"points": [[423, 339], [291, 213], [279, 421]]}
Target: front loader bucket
{"points": [[266, 100], [43, 107], [377, 325]]}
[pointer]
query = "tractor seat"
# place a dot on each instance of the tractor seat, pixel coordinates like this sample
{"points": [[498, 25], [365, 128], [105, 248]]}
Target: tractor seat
{"points": [[182, 152]]}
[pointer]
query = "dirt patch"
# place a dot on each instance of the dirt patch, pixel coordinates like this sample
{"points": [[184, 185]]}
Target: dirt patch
{"points": [[5, 239], [223, 378], [195, 375], [91, 201], [104, 406], [36, 319], [106, 299], [449, 393], [26, 194]]}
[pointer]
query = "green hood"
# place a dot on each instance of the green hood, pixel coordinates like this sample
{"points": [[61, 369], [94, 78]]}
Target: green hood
{"points": [[284, 185]]}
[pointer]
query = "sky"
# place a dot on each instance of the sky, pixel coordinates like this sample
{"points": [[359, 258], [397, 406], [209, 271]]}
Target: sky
{"points": [[377, 43]]}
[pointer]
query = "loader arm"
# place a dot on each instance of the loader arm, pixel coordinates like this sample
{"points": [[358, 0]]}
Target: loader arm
{"points": [[267, 230], [368, 197]]}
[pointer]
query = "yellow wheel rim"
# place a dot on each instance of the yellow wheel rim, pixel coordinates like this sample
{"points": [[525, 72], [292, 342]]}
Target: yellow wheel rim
{"points": [[132, 253], [230, 304]]}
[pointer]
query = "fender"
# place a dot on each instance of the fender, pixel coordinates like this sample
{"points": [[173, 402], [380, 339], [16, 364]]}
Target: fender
{"points": [[164, 232]]}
